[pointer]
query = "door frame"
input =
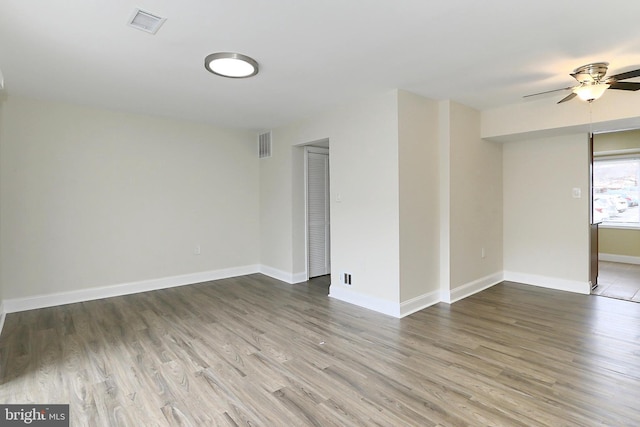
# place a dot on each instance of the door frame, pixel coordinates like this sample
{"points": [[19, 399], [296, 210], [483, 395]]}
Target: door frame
{"points": [[593, 227]]}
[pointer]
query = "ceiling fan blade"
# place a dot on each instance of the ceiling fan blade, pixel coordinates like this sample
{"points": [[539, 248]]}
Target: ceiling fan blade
{"points": [[625, 86], [548, 91], [568, 97], [624, 76]]}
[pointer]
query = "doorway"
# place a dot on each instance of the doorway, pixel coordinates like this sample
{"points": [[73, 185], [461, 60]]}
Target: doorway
{"points": [[615, 192], [318, 218]]}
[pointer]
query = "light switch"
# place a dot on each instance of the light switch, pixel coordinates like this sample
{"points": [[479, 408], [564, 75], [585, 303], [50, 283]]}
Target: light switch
{"points": [[577, 193]]}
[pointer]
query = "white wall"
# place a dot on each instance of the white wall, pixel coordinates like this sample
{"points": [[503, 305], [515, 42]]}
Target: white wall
{"points": [[388, 177], [444, 198], [546, 230], [95, 198], [276, 210], [475, 204], [386, 186], [419, 205], [2, 97], [364, 174]]}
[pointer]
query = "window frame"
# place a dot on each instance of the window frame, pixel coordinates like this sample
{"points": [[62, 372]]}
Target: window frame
{"points": [[605, 156]]}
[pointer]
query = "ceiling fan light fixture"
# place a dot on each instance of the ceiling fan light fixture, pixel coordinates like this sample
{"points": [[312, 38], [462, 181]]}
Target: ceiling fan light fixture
{"points": [[232, 65], [591, 92], [592, 82]]}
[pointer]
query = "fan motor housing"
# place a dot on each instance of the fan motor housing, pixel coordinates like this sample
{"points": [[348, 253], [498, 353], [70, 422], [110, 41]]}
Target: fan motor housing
{"points": [[590, 73]]}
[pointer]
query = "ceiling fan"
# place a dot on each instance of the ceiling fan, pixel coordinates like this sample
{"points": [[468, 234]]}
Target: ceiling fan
{"points": [[592, 82]]}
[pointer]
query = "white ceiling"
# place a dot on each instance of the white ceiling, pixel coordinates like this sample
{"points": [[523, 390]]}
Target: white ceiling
{"points": [[313, 55]]}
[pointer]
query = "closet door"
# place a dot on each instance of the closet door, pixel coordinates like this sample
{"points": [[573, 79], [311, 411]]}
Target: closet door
{"points": [[318, 224]]}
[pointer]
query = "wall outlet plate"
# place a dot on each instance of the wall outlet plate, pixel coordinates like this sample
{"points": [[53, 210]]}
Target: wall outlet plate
{"points": [[346, 278]]}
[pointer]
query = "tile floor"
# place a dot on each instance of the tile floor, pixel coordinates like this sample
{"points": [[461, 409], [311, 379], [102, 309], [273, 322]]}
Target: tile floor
{"points": [[620, 281]]}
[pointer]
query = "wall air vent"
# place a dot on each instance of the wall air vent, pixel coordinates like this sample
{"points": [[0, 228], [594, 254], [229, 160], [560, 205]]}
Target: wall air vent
{"points": [[146, 21], [264, 145]]}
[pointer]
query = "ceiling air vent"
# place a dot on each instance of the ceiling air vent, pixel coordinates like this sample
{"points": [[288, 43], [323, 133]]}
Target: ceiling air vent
{"points": [[264, 145], [146, 21]]}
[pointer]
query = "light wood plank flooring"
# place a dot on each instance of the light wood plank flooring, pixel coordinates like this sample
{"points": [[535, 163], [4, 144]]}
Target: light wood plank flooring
{"points": [[618, 280], [255, 351]]}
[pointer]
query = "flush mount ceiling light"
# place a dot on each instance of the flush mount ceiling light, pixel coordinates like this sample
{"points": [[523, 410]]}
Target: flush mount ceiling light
{"points": [[229, 64]]}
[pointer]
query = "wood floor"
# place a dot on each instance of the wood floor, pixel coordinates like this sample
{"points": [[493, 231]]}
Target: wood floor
{"points": [[255, 351]]}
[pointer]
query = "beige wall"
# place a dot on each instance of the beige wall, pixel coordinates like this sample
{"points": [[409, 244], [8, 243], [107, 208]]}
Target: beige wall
{"points": [[617, 241], [475, 200], [95, 198], [546, 230], [419, 205], [541, 118], [616, 141]]}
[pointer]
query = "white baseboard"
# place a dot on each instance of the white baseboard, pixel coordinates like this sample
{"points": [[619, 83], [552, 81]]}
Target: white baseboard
{"points": [[283, 276], [474, 287], [398, 310], [342, 293], [548, 282], [339, 292], [625, 259], [419, 303], [49, 300], [299, 277]]}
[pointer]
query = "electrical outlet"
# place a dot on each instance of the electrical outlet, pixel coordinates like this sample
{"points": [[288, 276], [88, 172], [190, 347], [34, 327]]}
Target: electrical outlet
{"points": [[483, 253], [346, 278], [196, 250]]}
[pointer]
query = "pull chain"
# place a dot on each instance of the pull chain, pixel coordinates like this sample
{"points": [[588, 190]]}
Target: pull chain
{"points": [[590, 118]]}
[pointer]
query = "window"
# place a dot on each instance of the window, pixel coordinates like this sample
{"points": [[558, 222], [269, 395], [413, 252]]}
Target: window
{"points": [[616, 190]]}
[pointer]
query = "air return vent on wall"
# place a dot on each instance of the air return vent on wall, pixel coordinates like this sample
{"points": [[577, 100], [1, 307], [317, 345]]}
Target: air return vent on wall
{"points": [[146, 21], [264, 145]]}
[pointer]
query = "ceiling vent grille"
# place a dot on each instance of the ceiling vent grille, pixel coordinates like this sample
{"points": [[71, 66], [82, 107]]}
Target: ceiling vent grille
{"points": [[146, 21], [264, 145]]}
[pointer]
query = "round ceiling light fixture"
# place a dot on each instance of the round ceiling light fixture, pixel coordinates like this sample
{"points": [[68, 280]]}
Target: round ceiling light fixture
{"points": [[591, 92], [230, 64]]}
